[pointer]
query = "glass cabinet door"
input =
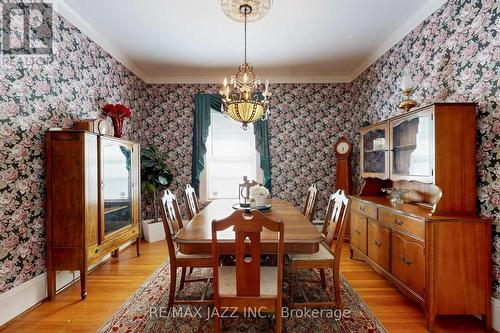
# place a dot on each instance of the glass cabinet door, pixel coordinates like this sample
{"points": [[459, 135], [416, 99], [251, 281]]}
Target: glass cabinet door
{"points": [[116, 178], [412, 145], [374, 157]]}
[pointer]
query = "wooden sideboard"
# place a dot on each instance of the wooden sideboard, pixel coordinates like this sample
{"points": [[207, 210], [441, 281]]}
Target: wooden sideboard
{"points": [[434, 247], [93, 200]]}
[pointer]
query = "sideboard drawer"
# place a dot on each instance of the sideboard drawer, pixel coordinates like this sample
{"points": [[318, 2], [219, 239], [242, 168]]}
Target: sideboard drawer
{"points": [[379, 239], [402, 223], [365, 209]]}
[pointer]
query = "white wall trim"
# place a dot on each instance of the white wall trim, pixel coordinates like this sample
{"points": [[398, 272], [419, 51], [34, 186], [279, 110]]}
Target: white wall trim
{"points": [[411, 22], [495, 314], [88, 29], [85, 25], [207, 78], [19, 299]]}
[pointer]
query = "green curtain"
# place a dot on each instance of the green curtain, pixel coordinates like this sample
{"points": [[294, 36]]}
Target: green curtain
{"points": [[203, 104], [261, 131]]}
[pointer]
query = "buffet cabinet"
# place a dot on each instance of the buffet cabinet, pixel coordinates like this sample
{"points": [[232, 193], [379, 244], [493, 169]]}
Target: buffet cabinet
{"points": [[433, 246], [93, 200]]}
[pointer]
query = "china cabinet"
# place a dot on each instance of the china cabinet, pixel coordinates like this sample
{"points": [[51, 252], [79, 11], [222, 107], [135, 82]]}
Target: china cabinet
{"points": [[93, 196], [433, 247], [374, 151]]}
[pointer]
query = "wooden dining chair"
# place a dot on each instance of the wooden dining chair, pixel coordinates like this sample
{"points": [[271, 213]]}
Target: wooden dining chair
{"points": [[191, 202], [310, 204], [247, 285], [334, 228], [172, 224]]}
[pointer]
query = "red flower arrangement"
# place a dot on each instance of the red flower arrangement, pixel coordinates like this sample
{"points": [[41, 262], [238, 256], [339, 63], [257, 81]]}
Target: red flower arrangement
{"points": [[117, 112]]}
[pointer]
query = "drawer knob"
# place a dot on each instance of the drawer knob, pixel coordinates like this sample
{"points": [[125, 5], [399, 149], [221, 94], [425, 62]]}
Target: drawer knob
{"points": [[362, 207], [96, 250], [399, 222], [405, 260], [378, 243]]}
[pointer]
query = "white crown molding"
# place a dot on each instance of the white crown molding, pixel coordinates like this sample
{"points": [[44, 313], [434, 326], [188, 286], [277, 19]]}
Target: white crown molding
{"points": [[411, 22], [207, 78], [423, 12], [84, 25]]}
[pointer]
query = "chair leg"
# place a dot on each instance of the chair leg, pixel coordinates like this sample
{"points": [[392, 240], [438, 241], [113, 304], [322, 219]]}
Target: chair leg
{"points": [[216, 323], [183, 278], [173, 283], [323, 278], [291, 287], [279, 320], [191, 269], [336, 288]]}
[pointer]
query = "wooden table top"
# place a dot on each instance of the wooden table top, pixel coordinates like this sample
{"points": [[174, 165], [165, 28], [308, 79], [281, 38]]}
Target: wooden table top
{"points": [[301, 236]]}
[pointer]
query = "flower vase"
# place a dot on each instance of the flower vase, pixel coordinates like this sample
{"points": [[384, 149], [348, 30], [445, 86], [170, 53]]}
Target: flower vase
{"points": [[117, 126], [260, 201]]}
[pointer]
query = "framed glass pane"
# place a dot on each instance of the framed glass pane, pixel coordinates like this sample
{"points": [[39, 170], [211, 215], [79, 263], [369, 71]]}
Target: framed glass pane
{"points": [[116, 186]]}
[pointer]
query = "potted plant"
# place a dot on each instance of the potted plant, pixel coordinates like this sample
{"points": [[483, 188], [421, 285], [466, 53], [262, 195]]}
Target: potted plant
{"points": [[155, 176]]}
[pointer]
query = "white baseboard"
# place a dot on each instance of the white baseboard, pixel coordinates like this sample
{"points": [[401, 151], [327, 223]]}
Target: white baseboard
{"points": [[19, 299], [495, 314]]}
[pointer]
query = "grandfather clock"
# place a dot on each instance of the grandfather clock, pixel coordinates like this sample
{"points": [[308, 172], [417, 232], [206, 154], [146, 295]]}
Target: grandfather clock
{"points": [[343, 151]]}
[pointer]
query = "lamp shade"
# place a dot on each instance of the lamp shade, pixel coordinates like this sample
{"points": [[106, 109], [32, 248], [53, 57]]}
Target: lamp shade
{"points": [[245, 111], [406, 81]]}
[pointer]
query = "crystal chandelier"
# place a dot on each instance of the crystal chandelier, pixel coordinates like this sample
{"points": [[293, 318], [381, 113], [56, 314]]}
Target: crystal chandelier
{"points": [[240, 98]]}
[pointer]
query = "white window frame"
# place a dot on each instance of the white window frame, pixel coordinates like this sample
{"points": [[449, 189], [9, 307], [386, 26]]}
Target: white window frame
{"points": [[204, 178]]}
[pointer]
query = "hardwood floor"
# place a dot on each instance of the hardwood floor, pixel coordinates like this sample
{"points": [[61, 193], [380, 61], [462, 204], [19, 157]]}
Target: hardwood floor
{"points": [[111, 284]]}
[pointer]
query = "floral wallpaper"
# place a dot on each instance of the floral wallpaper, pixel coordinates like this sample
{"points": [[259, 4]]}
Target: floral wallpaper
{"points": [[37, 93], [453, 56]]}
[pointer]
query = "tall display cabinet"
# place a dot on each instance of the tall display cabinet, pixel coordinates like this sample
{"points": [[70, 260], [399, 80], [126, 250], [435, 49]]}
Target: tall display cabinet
{"points": [[434, 247], [93, 200]]}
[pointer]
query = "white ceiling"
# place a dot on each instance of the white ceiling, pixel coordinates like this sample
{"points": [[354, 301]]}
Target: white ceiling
{"points": [[179, 41]]}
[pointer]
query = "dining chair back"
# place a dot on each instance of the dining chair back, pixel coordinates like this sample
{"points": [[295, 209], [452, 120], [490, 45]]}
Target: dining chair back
{"points": [[334, 227], [191, 202], [248, 284], [172, 223], [310, 203]]}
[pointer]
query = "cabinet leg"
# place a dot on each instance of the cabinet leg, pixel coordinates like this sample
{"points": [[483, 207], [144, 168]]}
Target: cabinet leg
{"points": [[351, 252], [486, 321], [83, 283], [115, 253], [138, 246], [51, 285], [430, 322]]}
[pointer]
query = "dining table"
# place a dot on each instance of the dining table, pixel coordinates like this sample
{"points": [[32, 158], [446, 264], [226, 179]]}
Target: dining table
{"points": [[300, 235]]}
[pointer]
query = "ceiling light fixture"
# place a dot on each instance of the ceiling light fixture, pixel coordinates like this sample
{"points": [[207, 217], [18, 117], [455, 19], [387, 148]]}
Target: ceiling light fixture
{"points": [[243, 102]]}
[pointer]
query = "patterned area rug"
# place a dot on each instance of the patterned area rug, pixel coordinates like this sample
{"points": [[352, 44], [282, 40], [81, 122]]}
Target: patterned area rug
{"points": [[145, 311]]}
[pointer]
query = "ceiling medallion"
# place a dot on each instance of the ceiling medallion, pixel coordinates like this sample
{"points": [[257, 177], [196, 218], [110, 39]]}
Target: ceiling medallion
{"points": [[243, 102], [232, 9]]}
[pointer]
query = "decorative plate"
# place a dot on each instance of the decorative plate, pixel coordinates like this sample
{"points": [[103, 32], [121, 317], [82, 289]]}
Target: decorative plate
{"points": [[261, 208]]}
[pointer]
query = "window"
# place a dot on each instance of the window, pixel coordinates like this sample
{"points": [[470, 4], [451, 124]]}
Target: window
{"points": [[230, 155]]}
